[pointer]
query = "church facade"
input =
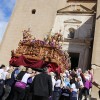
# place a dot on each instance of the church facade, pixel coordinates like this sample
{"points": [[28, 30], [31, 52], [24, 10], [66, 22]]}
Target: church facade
{"points": [[75, 22]]}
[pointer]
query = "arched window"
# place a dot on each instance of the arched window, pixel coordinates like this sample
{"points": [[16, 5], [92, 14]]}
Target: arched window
{"points": [[71, 33], [33, 11]]}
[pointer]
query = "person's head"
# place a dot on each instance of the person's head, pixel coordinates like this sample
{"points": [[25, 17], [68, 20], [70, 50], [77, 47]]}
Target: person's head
{"points": [[22, 68], [72, 81], [64, 75], [29, 70], [79, 70], [67, 79], [3, 67], [79, 78], [66, 72], [86, 72], [70, 77], [10, 69], [45, 69], [58, 77]]}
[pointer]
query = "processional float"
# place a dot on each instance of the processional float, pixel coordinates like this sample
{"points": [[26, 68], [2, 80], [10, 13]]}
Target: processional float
{"points": [[35, 53]]}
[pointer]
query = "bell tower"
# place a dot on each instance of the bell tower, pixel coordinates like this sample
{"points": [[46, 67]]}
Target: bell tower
{"points": [[96, 55]]}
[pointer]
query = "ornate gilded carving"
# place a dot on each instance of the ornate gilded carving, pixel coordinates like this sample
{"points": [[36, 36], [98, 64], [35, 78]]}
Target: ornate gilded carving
{"points": [[49, 49]]}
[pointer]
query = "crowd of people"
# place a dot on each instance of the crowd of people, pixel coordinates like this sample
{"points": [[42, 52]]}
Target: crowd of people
{"points": [[21, 83]]}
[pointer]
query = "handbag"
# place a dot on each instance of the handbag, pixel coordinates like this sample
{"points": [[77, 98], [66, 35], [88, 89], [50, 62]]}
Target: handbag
{"points": [[20, 84]]}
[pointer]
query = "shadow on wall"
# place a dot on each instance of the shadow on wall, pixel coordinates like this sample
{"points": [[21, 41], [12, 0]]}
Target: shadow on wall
{"points": [[98, 86], [80, 35]]}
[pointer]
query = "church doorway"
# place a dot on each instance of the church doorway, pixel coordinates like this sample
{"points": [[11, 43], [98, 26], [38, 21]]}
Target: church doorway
{"points": [[74, 59]]}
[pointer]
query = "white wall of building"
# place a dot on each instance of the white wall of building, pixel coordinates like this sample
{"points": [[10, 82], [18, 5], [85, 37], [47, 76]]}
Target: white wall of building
{"points": [[83, 29]]}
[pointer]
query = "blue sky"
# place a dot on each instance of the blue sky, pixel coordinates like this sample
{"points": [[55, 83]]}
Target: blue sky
{"points": [[6, 8]]}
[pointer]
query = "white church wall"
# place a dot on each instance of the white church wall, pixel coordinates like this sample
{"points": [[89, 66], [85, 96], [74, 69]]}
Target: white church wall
{"points": [[81, 23]]}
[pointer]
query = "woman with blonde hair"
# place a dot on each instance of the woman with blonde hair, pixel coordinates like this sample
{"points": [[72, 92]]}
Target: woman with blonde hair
{"points": [[19, 69]]}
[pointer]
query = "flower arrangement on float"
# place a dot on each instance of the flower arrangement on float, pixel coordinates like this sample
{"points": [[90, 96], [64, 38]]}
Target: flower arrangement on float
{"points": [[48, 49]]}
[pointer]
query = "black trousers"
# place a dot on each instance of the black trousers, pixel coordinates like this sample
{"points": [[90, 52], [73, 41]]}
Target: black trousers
{"points": [[81, 91], [56, 93], [19, 93], [64, 97], [7, 91], [1, 87], [1, 90], [86, 92], [28, 94], [40, 98]]}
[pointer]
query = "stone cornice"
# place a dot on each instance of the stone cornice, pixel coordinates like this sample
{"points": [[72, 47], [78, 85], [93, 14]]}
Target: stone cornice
{"points": [[86, 41], [75, 9], [84, 14]]}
